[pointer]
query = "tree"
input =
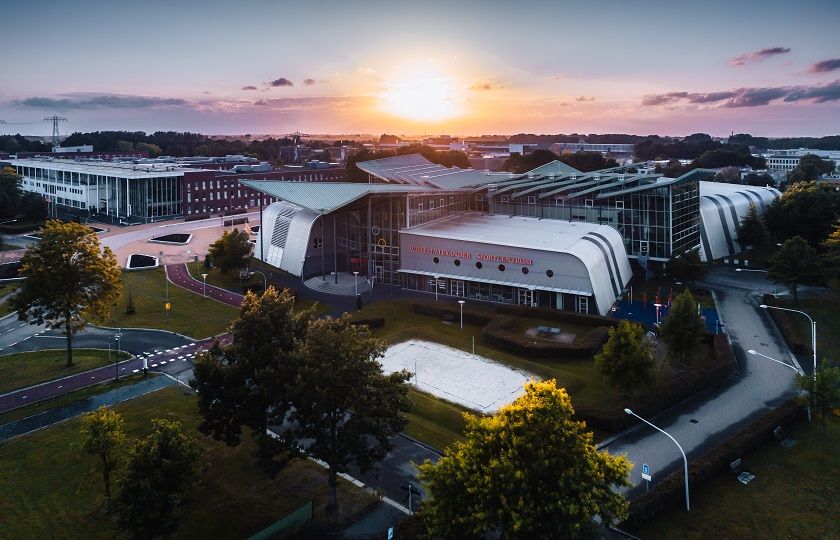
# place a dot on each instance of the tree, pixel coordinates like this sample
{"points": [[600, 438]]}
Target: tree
{"points": [[626, 358], [529, 471], [795, 263], [67, 275], [687, 265], [247, 383], [232, 251], [33, 207], [346, 410], [160, 473], [9, 191], [682, 329], [753, 231], [729, 174], [103, 435], [810, 167], [822, 392], [831, 257], [588, 161], [806, 209], [153, 149]]}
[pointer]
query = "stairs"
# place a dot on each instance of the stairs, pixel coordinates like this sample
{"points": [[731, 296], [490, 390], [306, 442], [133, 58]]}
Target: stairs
{"points": [[345, 287]]}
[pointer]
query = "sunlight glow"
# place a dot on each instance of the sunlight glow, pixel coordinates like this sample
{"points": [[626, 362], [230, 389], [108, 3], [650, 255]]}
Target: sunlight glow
{"points": [[423, 95]]}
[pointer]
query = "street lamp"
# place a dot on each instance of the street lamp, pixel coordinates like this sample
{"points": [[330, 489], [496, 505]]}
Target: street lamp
{"points": [[685, 459], [356, 282], [461, 304], [117, 355], [436, 287], [794, 368], [657, 311], [204, 279], [813, 331], [265, 281]]}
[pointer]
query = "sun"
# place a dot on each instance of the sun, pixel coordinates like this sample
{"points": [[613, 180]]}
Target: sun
{"points": [[423, 95]]}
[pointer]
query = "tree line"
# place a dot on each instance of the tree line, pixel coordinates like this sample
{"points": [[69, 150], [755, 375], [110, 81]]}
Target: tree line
{"points": [[582, 161], [448, 159], [830, 142]]}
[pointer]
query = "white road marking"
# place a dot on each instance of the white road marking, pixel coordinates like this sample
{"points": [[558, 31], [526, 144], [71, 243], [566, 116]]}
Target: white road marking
{"points": [[135, 370], [154, 365]]}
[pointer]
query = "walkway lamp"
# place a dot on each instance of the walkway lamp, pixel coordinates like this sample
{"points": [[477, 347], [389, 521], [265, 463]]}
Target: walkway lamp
{"points": [[685, 459], [204, 279], [813, 331], [461, 304]]}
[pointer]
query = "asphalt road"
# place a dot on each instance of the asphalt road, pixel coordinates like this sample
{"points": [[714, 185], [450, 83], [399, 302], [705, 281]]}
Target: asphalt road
{"points": [[703, 422], [180, 276]]}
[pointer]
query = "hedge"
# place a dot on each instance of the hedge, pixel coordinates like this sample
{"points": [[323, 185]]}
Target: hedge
{"points": [[195, 217], [787, 325], [498, 333], [471, 315], [571, 317], [668, 393], [670, 491], [370, 322]]}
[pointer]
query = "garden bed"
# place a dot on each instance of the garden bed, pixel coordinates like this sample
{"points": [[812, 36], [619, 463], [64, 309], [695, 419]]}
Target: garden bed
{"points": [[178, 239], [137, 261]]}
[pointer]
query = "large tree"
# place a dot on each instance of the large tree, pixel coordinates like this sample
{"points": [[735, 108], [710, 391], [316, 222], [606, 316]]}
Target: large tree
{"points": [[821, 392], [806, 209], [529, 471], [810, 167], [682, 329], [102, 436], [160, 474], [626, 359], [232, 251], [753, 230], [67, 275], [795, 263], [687, 265], [346, 411], [246, 384], [9, 192]]}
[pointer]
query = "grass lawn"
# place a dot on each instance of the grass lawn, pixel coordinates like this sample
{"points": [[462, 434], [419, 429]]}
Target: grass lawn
{"points": [[794, 494], [823, 308], [434, 421], [46, 491], [191, 314], [20, 370], [229, 280], [5, 290], [65, 399]]}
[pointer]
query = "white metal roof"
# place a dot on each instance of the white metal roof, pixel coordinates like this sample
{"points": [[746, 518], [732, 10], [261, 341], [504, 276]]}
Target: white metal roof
{"points": [[104, 168], [416, 169]]}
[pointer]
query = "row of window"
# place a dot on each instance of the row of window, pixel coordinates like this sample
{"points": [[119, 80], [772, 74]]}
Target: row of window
{"points": [[501, 267]]}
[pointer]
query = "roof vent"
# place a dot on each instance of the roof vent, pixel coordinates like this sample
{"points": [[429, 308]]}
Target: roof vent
{"points": [[530, 175]]}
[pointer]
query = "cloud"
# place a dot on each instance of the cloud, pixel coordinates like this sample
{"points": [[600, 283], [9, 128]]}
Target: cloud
{"points": [[825, 66], [308, 103], [100, 101], [758, 56], [282, 81], [309, 82], [249, 87], [483, 86], [584, 98], [749, 97], [365, 70]]}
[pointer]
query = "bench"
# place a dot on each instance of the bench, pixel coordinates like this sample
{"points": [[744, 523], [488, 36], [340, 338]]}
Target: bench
{"points": [[739, 468]]}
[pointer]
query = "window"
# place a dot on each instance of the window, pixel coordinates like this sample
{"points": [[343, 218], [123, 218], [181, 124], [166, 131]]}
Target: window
{"points": [[479, 197], [619, 205], [588, 203], [549, 273], [442, 202], [559, 201], [525, 270], [478, 265], [532, 199], [431, 205], [501, 268], [457, 262], [435, 260]]}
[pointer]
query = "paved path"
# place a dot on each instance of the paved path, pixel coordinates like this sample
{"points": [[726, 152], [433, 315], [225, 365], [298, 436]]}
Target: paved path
{"points": [[704, 422], [180, 276]]}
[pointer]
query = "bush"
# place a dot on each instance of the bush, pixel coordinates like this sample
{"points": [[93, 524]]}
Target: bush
{"points": [[670, 491], [498, 332], [370, 322], [196, 217], [471, 315], [557, 315]]}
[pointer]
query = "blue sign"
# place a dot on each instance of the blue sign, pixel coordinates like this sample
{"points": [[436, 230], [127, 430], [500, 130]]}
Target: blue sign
{"points": [[645, 468], [390, 533]]}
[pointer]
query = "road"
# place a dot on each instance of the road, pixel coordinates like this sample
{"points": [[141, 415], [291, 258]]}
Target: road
{"points": [[703, 422], [180, 276]]}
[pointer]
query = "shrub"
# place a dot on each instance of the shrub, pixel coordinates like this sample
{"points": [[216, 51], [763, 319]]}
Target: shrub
{"points": [[370, 322], [433, 309], [498, 332], [557, 315]]}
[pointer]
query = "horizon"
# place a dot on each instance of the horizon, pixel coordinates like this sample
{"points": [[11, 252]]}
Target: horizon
{"points": [[541, 68]]}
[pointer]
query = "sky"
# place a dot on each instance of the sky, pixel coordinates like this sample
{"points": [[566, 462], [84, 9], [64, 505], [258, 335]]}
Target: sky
{"points": [[668, 67]]}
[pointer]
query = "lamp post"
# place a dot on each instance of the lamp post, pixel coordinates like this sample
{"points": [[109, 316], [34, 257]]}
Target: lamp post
{"points": [[461, 305], [436, 287], [204, 279], [265, 281], [685, 459], [356, 282], [794, 368], [813, 331], [657, 306], [165, 277], [117, 355]]}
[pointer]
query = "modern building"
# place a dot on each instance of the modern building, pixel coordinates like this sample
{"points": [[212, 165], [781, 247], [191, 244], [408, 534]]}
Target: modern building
{"points": [[615, 149], [787, 160], [554, 237]]}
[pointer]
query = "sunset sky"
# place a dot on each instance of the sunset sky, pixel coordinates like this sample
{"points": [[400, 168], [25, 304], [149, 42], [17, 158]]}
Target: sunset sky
{"points": [[669, 67]]}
